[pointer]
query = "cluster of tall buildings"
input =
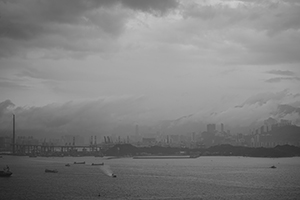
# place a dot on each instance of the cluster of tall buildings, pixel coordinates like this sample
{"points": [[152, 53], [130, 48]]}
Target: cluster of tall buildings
{"points": [[190, 139], [273, 133], [214, 134]]}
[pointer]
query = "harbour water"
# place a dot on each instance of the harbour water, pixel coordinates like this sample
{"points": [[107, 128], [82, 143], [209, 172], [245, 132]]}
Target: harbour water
{"points": [[200, 178]]}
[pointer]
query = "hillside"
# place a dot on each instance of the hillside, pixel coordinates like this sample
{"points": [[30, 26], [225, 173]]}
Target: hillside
{"points": [[219, 150]]}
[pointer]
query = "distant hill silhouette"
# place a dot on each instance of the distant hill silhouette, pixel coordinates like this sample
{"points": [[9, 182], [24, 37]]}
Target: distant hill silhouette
{"points": [[128, 149], [219, 150]]}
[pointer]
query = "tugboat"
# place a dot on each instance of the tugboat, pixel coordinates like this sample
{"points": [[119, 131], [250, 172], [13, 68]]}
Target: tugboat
{"points": [[6, 172], [273, 167]]}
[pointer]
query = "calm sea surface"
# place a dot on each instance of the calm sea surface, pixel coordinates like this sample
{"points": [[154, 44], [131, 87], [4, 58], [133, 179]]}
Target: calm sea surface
{"points": [[201, 178]]}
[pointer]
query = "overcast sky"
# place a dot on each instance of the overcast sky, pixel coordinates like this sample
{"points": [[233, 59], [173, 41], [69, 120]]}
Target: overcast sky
{"points": [[106, 63]]}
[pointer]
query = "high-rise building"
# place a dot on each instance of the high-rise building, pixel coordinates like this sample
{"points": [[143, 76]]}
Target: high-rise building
{"points": [[222, 127], [211, 128], [262, 129]]}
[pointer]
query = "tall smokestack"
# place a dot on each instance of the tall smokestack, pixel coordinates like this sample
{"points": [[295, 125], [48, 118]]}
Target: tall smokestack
{"points": [[14, 134]]}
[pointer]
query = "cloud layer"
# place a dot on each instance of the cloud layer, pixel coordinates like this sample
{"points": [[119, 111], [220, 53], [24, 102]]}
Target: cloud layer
{"points": [[68, 27], [119, 116], [260, 32], [166, 64]]}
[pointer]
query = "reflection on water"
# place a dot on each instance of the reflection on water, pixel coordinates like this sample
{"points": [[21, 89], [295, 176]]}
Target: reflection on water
{"points": [[201, 178]]}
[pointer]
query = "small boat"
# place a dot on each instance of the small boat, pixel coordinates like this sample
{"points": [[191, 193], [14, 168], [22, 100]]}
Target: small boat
{"points": [[114, 175], [51, 171], [67, 165], [6, 172], [79, 162], [273, 167], [96, 164]]}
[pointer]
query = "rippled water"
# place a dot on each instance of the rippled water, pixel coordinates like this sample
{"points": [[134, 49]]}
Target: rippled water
{"points": [[201, 178]]}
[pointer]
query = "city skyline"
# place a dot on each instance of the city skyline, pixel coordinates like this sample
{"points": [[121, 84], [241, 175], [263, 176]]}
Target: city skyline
{"points": [[269, 135]]}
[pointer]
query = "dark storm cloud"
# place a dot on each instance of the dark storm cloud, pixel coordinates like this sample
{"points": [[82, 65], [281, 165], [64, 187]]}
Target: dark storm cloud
{"points": [[27, 19], [72, 25]]}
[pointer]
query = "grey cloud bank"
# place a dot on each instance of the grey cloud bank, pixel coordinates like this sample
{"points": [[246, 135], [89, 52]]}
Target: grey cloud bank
{"points": [[119, 116], [170, 66], [58, 24]]}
